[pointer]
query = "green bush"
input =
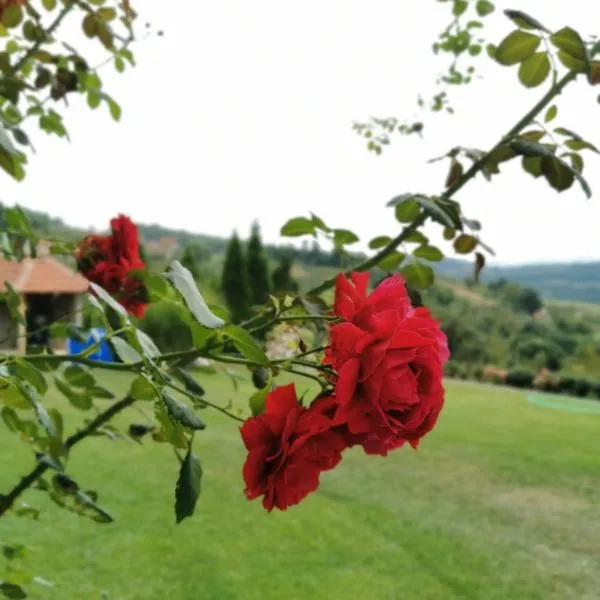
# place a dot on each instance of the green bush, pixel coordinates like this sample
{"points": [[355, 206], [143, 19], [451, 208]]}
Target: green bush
{"points": [[452, 368], [520, 377], [164, 324]]}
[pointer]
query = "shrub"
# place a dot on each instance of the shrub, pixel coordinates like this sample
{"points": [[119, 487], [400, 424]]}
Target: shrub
{"points": [[521, 378], [451, 368], [546, 381], [164, 324], [494, 375]]}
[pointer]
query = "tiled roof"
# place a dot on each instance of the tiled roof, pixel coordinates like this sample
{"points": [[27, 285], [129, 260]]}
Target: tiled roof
{"points": [[44, 275]]}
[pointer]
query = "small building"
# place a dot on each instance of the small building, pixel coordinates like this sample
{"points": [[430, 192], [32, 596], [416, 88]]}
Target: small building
{"points": [[49, 291]]}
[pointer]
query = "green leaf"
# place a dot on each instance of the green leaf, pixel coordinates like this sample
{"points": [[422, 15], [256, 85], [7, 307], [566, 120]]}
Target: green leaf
{"points": [[573, 64], [182, 413], [114, 109], [79, 377], [125, 351], [391, 261], [90, 25], [464, 244], [484, 8], [576, 161], [191, 385], [449, 233], [460, 6], [97, 391], [319, 223], [551, 113], [570, 42], [516, 47], [6, 142], [298, 226], [341, 237], [10, 418], [142, 389], [40, 410], [29, 373], [246, 345], [258, 399], [379, 242], [49, 5], [479, 264], [184, 282], [416, 237], [442, 211], [12, 15], [418, 274], [147, 344], [189, 484], [524, 21], [407, 211], [557, 173], [80, 400], [533, 165], [534, 70], [109, 300], [11, 590], [430, 253]]}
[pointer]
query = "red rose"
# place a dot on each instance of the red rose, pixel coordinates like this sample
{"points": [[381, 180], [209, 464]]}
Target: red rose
{"points": [[389, 360], [108, 261], [125, 243], [288, 448]]}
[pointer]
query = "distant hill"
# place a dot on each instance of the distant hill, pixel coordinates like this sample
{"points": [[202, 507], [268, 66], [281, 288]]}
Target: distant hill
{"points": [[560, 281], [578, 281]]}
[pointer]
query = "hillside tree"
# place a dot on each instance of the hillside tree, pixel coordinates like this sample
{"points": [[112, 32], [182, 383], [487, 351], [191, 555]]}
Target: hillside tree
{"points": [[234, 280], [258, 269], [282, 276]]}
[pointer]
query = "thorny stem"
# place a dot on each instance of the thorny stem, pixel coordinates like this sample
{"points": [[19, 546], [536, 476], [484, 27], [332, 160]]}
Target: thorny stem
{"points": [[476, 167], [7, 500]]}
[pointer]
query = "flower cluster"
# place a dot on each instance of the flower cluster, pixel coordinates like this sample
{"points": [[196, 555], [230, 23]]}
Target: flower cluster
{"points": [[387, 358], [110, 260]]}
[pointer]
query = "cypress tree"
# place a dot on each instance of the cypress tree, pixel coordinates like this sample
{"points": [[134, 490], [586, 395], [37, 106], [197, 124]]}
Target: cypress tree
{"points": [[234, 282], [189, 261], [282, 276], [258, 271]]}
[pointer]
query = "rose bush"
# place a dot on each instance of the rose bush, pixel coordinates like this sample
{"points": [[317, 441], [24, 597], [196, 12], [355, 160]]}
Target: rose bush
{"points": [[387, 359]]}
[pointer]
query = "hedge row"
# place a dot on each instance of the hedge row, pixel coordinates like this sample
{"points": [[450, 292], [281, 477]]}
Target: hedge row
{"points": [[521, 377]]}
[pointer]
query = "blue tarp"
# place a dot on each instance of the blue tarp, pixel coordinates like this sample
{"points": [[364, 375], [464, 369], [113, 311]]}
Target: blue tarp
{"points": [[104, 351]]}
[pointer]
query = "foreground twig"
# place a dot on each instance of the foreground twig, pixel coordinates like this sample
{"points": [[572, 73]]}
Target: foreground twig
{"points": [[6, 501]]}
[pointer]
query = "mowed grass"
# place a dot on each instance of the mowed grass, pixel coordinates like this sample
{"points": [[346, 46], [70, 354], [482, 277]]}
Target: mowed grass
{"points": [[501, 501]]}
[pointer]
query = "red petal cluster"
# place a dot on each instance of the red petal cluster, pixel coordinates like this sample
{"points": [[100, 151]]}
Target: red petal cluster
{"points": [[288, 448], [108, 261], [388, 358]]}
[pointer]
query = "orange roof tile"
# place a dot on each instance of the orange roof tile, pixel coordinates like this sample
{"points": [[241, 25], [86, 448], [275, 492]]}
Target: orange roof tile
{"points": [[44, 275]]}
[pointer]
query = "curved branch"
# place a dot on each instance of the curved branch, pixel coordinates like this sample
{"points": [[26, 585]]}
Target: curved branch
{"points": [[7, 500]]}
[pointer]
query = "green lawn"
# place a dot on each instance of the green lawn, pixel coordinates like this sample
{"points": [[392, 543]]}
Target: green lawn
{"points": [[501, 501]]}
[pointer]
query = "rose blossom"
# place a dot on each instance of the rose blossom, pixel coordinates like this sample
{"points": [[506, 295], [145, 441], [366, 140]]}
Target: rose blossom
{"points": [[288, 448], [389, 360], [109, 260]]}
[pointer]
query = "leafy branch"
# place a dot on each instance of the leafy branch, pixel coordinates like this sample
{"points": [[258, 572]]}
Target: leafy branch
{"points": [[7, 500]]}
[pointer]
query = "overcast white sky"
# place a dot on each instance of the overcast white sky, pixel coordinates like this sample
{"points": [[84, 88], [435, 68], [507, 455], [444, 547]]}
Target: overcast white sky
{"points": [[243, 110]]}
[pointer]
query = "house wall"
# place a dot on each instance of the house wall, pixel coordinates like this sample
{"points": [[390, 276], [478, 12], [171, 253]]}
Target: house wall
{"points": [[63, 309], [8, 329]]}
